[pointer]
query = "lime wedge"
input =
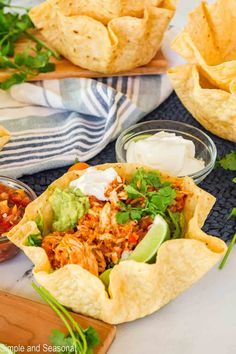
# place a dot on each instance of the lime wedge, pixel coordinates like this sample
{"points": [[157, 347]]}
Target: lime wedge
{"points": [[148, 247], [4, 349], [105, 277]]}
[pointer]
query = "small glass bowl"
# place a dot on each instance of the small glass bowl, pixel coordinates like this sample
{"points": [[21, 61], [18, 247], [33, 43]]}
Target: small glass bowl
{"points": [[204, 146], [7, 248]]}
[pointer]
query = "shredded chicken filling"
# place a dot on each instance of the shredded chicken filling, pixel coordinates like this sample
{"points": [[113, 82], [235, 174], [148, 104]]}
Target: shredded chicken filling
{"points": [[99, 242]]}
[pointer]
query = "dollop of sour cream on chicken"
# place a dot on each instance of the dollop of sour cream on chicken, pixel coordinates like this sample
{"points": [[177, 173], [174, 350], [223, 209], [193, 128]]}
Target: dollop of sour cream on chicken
{"points": [[95, 182]]}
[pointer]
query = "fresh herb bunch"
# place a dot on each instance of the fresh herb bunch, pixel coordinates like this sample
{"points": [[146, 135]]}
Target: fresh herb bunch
{"points": [[33, 60], [152, 202], [79, 341]]}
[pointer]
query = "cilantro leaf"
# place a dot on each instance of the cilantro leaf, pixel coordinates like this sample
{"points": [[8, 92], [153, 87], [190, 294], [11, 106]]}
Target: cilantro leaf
{"points": [[34, 240], [151, 203], [92, 338], [153, 179], [122, 217], [229, 161], [234, 180], [123, 206], [60, 340], [136, 214], [232, 213], [163, 198], [7, 48], [57, 337], [13, 80], [143, 178], [132, 192]]}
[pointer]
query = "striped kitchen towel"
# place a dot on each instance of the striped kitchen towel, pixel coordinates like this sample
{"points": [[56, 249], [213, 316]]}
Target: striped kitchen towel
{"points": [[53, 122]]}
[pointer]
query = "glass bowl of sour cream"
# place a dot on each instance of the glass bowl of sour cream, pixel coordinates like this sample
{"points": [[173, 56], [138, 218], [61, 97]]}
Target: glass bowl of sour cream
{"points": [[172, 147]]}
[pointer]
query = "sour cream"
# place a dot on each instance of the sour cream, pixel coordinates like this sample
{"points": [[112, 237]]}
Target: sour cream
{"points": [[166, 152], [95, 182]]}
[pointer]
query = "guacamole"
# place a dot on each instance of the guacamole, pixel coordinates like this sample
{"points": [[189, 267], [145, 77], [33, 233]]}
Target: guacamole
{"points": [[68, 206]]}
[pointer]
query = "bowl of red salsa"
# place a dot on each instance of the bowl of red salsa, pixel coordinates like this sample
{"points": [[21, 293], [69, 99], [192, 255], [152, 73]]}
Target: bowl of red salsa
{"points": [[14, 198]]}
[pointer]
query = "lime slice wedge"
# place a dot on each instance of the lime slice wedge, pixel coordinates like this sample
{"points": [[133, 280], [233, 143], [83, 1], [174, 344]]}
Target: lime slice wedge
{"points": [[105, 277], [148, 247], [4, 349]]}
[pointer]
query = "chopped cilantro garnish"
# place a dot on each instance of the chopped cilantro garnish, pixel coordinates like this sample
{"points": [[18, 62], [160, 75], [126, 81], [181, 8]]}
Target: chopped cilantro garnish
{"points": [[122, 217], [143, 178], [162, 199], [133, 192], [136, 214], [155, 197]]}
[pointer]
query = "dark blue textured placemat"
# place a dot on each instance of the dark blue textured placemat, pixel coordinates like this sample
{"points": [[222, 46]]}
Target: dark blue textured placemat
{"points": [[219, 182]]}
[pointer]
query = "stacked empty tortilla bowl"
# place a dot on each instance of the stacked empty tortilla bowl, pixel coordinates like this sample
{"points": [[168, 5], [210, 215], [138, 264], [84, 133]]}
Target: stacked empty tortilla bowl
{"points": [[206, 85], [104, 36]]}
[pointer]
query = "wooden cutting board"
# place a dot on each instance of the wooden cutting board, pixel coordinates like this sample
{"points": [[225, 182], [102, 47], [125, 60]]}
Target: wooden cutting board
{"points": [[65, 69], [27, 323]]}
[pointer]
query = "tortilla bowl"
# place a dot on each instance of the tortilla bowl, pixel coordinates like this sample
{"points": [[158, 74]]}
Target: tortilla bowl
{"points": [[104, 36], [215, 109], [135, 289], [209, 40]]}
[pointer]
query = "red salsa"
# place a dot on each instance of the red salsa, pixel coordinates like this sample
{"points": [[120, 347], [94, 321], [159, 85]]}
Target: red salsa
{"points": [[12, 206]]}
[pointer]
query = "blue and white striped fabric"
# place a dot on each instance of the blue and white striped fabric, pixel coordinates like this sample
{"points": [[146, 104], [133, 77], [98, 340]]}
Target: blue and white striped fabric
{"points": [[53, 122]]}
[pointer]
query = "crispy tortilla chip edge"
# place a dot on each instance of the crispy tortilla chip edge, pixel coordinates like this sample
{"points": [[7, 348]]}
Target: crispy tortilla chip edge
{"points": [[215, 109]]}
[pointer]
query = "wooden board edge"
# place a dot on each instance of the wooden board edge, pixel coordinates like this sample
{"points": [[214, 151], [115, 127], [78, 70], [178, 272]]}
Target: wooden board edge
{"points": [[93, 322]]}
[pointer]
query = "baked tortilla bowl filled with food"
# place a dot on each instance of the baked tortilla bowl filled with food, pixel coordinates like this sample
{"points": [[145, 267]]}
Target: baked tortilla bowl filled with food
{"points": [[118, 241]]}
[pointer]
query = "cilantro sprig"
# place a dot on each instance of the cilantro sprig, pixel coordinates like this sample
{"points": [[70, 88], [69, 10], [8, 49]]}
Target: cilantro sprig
{"points": [[79, 341], [149, 202], [34, 59], [228, 162], [225, 259]]}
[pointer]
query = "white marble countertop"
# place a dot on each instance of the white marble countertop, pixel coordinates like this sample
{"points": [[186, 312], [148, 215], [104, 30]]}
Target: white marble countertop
{"points": [[200, 321]]}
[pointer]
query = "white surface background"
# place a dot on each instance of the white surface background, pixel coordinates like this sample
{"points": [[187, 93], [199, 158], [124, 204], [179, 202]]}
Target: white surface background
{"points": [[200, 321], [183, 7]]}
